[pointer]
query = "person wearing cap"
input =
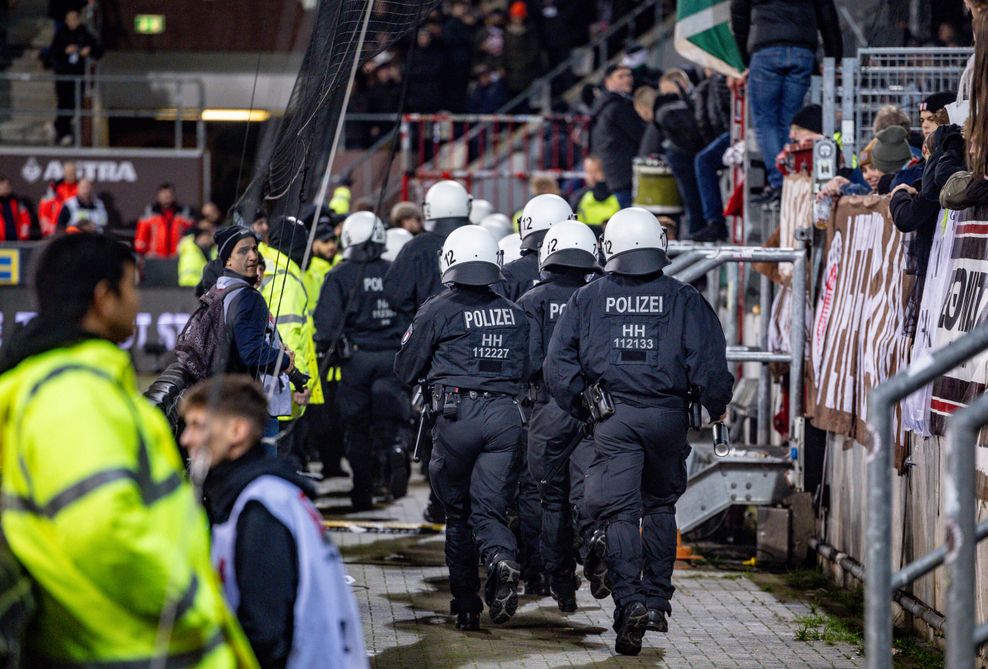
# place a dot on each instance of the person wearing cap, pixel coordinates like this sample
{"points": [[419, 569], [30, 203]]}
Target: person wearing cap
{"points": [[471, 346], [616, 131], [930, 117], [643, 340], [884, 157]]}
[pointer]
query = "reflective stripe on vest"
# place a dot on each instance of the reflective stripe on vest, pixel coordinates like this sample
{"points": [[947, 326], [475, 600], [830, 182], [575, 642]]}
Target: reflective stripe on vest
{"points": [[151, 491]]}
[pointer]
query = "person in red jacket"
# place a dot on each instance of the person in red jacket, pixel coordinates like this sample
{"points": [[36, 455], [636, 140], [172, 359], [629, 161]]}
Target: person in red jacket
{"points": [[58, 192], [16, 223], [162, 226]]}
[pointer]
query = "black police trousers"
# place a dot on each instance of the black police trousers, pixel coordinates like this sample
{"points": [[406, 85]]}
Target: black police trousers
{"points": [[639, 472], [473, 473], [550, 433], [529, 510], [368, 393]]}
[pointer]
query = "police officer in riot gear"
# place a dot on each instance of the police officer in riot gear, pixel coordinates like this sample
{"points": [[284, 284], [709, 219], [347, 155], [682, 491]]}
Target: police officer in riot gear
{"points": [[642, 339], [353, 316], [471, 345], [541, 212], [567, 258], [414, 275]]}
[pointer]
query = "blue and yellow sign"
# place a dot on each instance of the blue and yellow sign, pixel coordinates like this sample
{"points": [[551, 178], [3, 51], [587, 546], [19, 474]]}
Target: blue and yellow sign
{"points": [[10, 267]]}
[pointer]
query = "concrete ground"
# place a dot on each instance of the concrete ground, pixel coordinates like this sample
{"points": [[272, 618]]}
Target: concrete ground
{"points": [[720, 619]]}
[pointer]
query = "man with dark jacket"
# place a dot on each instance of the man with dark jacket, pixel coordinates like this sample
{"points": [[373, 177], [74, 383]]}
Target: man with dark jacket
{"points": [[70, 50], [778, 41], [681, 140], [712, 105], [616, 131], [16, 220], [279, 571]]}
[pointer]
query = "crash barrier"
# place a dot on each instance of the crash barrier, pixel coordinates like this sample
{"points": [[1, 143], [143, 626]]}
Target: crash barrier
{"points": [[495, 155], [860, 86], [163, 314]]}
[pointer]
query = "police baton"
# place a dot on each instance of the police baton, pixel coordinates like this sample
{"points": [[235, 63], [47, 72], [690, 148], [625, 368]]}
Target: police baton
{"points": [[425, 416]]}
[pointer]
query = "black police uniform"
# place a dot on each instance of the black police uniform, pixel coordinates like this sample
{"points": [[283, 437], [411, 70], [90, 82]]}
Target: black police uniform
{"points": [[551, 432], [644, 339], [412, 279], [471, 345], [352, 303], [520, 276]]}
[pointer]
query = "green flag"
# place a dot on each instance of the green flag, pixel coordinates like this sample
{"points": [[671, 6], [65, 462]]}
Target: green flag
{"points": [[703, 35]]}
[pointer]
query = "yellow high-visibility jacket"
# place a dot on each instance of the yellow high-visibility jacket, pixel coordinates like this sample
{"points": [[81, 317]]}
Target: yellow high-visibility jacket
{"points": [[97, 509], [191, 261], [285, 292]]}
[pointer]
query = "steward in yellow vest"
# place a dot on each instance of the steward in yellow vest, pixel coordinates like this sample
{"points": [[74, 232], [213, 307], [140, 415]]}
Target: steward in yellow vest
{"points": [[96, 506]]}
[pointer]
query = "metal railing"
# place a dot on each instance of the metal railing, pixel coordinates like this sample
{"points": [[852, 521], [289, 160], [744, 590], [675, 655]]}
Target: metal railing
{"points": [[693, 261], [959, 498], [183, 101]]}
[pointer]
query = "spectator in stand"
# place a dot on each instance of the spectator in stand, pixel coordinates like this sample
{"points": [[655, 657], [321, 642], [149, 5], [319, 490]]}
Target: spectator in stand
{"points": [[384, 93], [712, 106], [425, 74], [915, 208], [211, 212], [260, 226], [490, 41], [636, 58], [459, 36], [594, 204], [890, 115], [70, 50], [58, 192], [778, 40], [291, 598], [644, 101], [408, 216], [16, 221], [616, 131], [162, 225], [540, 184], [884, 156], [563, 25], [487, 92], [932, 112], [84, 212], [681, 141], [947, 36], [522, 57]]}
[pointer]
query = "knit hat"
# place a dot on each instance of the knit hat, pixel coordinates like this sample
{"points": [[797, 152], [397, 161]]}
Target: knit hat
{"points": [[227, 238], [810, 117], [937, 101], [891, 151]]}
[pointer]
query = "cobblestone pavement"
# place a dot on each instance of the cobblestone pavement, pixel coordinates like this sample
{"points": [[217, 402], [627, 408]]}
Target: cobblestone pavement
{"points": [[720, 619]]}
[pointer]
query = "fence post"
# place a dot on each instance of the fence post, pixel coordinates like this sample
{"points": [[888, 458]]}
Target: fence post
{"points": [[764, 378], [796, 368], [848, 129], [829, 85], [179, 104], [77, 94], [959, 501]]}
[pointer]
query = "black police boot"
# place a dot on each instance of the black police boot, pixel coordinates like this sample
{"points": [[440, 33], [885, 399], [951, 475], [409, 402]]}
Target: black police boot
{"points": [[468, 621], [399, 469], [630, 623], [537, 584], [657, 621], [563, 588], [595, 566], [501, 590]]}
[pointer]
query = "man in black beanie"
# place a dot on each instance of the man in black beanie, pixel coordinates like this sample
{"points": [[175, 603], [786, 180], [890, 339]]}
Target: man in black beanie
{"points": [[808, 120]]}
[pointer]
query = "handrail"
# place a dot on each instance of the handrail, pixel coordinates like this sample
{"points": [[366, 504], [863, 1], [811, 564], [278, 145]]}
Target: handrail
{"points": [[878, 532]]}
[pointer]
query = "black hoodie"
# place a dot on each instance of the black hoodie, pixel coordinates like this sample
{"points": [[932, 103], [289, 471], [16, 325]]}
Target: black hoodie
{"points": [[291, 238], [265, 555]]}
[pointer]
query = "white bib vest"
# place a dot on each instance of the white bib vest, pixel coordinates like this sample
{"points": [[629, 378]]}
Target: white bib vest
{"points": [[327, 630]]}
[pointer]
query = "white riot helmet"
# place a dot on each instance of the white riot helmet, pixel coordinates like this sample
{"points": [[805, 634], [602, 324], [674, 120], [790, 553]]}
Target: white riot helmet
{"points": [[541, 212], [510, 248], [446, 199], [470, 257], [635, 243], [479, 210], [361, 228], [498, 225], [569, 244], [397, 237]]}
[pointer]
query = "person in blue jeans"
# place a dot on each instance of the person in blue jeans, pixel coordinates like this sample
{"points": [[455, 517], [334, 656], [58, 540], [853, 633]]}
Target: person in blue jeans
{"points": [[778, 40], [708, 164]]}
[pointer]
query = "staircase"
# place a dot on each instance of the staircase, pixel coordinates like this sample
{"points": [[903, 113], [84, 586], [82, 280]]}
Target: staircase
{"points": [[28, 32]]}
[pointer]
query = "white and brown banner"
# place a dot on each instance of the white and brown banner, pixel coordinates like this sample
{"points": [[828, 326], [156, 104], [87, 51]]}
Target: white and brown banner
{"points": [[857, 340]]}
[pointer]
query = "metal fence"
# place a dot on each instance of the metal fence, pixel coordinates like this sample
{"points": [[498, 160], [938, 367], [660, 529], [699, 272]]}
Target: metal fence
{"points": [[900, 77]]}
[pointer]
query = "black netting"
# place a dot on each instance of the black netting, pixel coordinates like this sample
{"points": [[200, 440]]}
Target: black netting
{"points": [[291, 174]]}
